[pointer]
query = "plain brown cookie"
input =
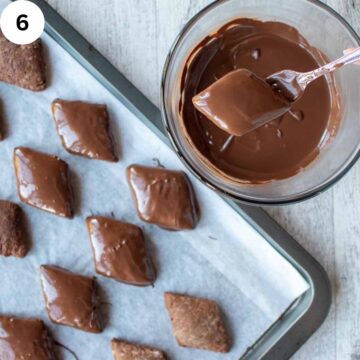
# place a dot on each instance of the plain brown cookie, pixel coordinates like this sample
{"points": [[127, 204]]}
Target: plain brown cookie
{"points": [[22, 65], [13, 237], [123, 350], [197, 323]]}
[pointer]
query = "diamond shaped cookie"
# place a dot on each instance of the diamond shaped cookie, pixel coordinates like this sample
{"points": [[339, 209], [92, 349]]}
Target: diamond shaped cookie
{"points": [[13, 236], [22, 65], [119, 251], [163, 197], [71, 299], [43, 181], [25, 339], [197, 323], [84, 129], [123, 350]]}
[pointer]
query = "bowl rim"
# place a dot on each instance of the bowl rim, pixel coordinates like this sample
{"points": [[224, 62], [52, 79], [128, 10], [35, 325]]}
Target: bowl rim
{"points": [[243, 199]]}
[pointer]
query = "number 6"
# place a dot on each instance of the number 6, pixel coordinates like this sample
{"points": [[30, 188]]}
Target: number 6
{"points": [[21, 23]]}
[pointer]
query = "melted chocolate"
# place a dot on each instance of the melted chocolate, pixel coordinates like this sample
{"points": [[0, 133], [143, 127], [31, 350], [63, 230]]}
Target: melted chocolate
{"points": [[240, 102], [119, 251], [43, 181], [71, 299], [25, 339], [163, 197], [84, 129], [284, 146]]}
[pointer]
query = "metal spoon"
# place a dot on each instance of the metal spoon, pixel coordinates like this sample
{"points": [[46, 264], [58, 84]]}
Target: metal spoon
{"points": [[292, 84]]}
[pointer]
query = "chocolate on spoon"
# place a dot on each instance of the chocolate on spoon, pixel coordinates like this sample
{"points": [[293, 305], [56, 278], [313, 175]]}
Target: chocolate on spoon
{"points": [[241, 102]]}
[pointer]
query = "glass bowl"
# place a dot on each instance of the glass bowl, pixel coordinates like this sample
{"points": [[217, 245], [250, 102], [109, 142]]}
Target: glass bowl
{"points": [[324, 29]]}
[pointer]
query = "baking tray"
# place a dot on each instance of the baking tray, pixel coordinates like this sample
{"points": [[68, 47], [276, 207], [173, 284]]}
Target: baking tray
{"points": [[308, 312]]}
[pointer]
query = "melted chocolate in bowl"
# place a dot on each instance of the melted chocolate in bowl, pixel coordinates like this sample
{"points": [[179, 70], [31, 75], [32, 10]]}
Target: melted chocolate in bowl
{"points": [[281, 148]]}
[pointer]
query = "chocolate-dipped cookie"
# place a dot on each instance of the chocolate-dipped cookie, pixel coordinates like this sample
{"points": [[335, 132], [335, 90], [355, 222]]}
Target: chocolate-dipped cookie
{"points": [[123, 350], [84, 129], [25, 339], [119, 251], [71, 299], [197, 323], [43, 181], [22, 65], [13, 235], [163, 197]]}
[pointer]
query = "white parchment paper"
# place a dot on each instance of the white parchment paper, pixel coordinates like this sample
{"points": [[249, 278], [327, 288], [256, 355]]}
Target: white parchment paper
{"points": [[223, 259]]}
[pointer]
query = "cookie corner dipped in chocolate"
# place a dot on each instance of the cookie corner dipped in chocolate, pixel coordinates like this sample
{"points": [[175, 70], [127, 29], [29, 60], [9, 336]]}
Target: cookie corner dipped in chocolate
{"points": [[71, 299], [163, 197], [43, 181], [119, 251], [22, 338], [124, 350], [84, 129], [197, 323], [13, 233], [22, 65]]}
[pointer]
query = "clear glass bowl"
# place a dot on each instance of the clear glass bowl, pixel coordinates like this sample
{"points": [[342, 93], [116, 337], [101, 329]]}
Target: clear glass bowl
{"points": [[324, 29]]}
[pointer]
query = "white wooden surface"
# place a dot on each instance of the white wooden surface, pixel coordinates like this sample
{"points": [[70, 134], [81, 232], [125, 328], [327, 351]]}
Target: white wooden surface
{"points": [[135, 36]]}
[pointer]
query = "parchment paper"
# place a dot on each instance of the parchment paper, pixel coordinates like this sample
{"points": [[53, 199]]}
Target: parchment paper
{"points": [[224, 259]]}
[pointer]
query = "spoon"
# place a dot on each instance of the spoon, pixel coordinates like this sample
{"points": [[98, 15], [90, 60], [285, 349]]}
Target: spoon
{"points": [[292, 84], [240, 101]]}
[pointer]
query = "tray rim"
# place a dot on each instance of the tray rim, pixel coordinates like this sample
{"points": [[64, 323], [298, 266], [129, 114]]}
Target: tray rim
{"points": [[309, 311]]}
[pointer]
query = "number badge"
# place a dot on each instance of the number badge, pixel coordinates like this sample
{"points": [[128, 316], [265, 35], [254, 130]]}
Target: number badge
{"points": [[22, 22]]}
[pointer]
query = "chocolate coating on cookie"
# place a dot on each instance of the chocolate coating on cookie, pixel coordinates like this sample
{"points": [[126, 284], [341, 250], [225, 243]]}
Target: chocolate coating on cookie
{"points": [[163, 197], [25, 339], [71, 299], [43, 181], [84, 129], [119, 251]]}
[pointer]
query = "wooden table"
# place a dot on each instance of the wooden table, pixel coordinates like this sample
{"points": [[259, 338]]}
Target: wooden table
{"points": [[135, 35]]}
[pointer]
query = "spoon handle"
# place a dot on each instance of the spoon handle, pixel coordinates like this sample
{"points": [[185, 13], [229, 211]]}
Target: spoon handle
{"points": [[347, 59]]}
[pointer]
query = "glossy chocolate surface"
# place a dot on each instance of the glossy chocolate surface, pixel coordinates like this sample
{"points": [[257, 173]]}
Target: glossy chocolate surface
{"points": [[276, 150], [119, 251], [25, 339], [163, 197], [71, 299], [43, 181], [84, 129], [240, 102]]}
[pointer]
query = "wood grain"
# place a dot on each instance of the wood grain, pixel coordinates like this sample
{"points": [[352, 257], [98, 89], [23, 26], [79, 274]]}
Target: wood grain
{"points": [[135, 35]]}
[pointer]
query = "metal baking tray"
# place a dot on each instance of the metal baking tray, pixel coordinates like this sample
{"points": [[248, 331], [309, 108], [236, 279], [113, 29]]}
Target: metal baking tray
{"points": [[308, 312]]}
